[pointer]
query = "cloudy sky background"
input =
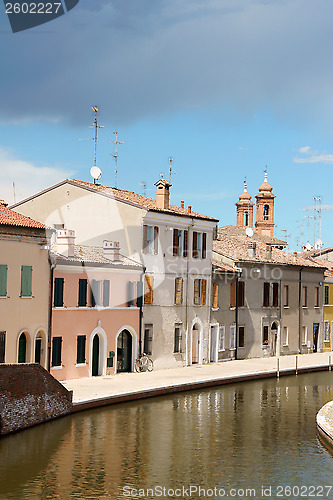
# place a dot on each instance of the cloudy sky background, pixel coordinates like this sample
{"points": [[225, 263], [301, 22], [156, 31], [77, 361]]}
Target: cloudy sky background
{"points": [[226, 87]]}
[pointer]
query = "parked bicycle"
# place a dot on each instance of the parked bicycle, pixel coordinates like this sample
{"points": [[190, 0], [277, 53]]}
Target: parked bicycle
{"points": [[144, 364]]}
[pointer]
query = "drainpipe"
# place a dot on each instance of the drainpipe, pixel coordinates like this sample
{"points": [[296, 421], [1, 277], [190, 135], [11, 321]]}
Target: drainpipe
{"points": [[299, 309], [236, 318], [49, 331], [141, 311]]}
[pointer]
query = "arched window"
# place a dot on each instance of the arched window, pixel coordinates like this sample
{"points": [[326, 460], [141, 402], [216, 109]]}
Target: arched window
{"points": [[246, 218], [22, 348], [266, 212]]}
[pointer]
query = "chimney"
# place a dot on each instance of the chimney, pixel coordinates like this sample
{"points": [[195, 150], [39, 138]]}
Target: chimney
{"points": [[182, 204], [111, 250], [65, 242], [3, 203], [189, 209], [268, 251], [294, 257], [162, 193], [251, 249]]}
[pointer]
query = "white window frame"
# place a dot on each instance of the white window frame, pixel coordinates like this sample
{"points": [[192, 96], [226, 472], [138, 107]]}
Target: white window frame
{"points": [[221, 338], [285, 337], [326, 331], [232, 337], [150, 240]]}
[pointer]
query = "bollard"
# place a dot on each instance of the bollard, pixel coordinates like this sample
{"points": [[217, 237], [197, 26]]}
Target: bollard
{"points": [[278, 368], [296, 365]]}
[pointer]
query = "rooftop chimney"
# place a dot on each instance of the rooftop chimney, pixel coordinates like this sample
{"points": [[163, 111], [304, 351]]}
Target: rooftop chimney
{"points": [[3, 203], [189, 209], [111, 250], [162, 193], [294, 257], [182, 204], [65, 242], [251, 249]]}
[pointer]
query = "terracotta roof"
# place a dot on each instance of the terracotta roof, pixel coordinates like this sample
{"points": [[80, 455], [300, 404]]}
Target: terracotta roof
{"points": [[138, 199], [219, 266], [10, 218], [235, 246], [93, 255], [323, 263], [316, 253], [236, 231]]}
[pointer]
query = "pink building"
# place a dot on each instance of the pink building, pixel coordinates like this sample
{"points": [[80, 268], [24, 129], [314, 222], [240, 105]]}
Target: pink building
{"points": [[95, 316]]}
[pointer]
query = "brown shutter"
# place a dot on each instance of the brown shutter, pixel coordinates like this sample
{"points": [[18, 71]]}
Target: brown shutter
{"points": [[144, 241], [204, 292], [215, 295], [241, 293], [194, 245], [266, 294], [196, 292], [149, 292], [155, 240], [232, 294], [275, 294], [175, 242], [178, 291], [185, 252], [204, 245]]}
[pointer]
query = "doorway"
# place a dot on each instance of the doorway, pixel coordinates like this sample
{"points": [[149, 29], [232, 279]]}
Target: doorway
{"points": [[124, 352], [95, 356], [195, 344], [22, 348], [213, 355], [315, 336]]}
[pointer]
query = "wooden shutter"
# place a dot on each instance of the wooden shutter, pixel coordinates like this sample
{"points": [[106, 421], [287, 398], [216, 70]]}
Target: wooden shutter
{"points": [[149, 292], [58, 292], [275, 294], [185, 248], [196, 297], [241, 336], [26, 280], [265, 335], [81, 349], [139, 287], [194, 245], [204, 245], [106, 293], [266, 294], [178, 291], [241, 293], [82, 292], [215, 295], [130, 302], [204, 292], [175, 243], [145, 239], [56, 351], [155, 240], [3, 280], [232, 294]]}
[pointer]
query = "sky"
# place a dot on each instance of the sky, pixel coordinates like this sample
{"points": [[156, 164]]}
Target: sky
{"points": [[227, 88]]}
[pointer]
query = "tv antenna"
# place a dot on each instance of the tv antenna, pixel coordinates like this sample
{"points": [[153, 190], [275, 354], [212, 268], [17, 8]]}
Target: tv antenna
{"points": [[115, 156], [171, 173], [144, 187], [96, 127]]}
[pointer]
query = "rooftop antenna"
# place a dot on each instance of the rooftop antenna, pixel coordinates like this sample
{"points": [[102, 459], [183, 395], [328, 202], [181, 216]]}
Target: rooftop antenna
{"points": [[115, 156], [171, 173], [144, 185], [14, 192], [96, 127]]}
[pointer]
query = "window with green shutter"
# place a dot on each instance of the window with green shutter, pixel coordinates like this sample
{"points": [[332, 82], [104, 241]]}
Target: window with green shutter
{"points": [[83, 292], [81, 349], [58, 292], [327, 295], [106, 293], [56, 351], [3, 280], [26, 281], [95, 293]]}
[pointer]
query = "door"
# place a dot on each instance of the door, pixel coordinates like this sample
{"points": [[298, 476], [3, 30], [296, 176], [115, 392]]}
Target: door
{"points": [[315, 336], [95, 356], [124, 352], [38, 350], [213, 344], [22, 348], [195, 345]]}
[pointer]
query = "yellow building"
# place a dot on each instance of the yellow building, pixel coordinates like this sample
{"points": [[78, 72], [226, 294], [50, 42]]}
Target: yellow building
{"points": [[328, 310]]}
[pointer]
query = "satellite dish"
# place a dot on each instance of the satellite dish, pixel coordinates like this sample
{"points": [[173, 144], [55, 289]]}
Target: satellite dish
{"points": [[318, 244], [95, 173], [249, 232], [308, 246]]}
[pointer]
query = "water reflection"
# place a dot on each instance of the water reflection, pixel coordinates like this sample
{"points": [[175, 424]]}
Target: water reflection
{"points": [[244, 435]]}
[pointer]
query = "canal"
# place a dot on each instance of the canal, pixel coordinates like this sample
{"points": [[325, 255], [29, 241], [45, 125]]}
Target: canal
{"points": [[237, 439]]}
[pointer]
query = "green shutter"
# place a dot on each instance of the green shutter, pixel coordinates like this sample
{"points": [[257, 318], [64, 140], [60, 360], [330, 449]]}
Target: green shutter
{"points": [[56, 351], [81, 349], [3, 280], [58, 292], [130, 293], [139, 300], [106, 293], [82, 293], [26, 280]]}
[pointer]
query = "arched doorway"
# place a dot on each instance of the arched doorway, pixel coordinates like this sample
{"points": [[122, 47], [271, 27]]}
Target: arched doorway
{"points": [[274, 332], [195, 344], [124, 351], [95, 356], [22, 348], [38, 348]]}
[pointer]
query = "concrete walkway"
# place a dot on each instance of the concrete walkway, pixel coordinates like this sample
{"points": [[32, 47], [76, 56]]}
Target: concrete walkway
{"points": [[99, 391]]}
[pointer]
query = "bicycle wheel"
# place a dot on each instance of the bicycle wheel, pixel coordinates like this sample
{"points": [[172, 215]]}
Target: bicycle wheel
{"points": [[150, 364], [138, 365]]}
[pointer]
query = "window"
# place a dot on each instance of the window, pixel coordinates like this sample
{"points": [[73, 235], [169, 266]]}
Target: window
{"points": [[200, 292], [58, 292], [266, 294], [304, 335], [149, 290], [317, 296], [305, 296], [131, 293], [178, 339], [148, 339], [326, 331], [180, 243], [246, 219], [81, 349], [3, 280], [2, 346], [241, 293], [26, 281], [326, 295], [275, 294], [56, 351], [221, 338], [286, 296], [178, 291], [241, 336], [199, 245], [215, 301], [266, 212], [265, 335], [95, 293], [232, 295], [106, 293], [150, 240], [285, 336], [139, 289], [232, 337], [83, 284]]}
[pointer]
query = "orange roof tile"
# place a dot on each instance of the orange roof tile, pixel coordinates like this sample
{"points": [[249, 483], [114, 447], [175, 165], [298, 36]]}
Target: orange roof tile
{"points": [[10, 218]]}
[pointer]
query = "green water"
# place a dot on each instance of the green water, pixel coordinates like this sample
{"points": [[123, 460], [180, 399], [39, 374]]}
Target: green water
{"points": [[242, 436]]}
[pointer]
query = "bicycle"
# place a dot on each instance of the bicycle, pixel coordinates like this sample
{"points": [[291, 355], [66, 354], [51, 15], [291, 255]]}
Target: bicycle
{"points": [[144, 364]]}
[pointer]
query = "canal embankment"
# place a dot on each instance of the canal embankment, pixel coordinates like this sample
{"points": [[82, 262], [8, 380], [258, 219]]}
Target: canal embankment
{"points": [[324, 421]]}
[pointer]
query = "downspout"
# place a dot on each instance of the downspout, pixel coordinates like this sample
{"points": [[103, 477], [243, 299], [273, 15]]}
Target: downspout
{"points": [[49, 331], [236, 318], [299, 309]]}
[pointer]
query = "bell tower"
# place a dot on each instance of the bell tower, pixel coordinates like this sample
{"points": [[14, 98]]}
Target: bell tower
{"points": [[265, 209], [244, 209]]}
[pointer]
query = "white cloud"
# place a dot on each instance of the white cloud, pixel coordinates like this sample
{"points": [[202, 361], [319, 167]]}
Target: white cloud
{"points": [[314, 156], [305, 149], [27, 178]]}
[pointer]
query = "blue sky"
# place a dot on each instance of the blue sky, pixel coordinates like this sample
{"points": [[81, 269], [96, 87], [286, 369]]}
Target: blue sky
{"points": [[225, 87]]}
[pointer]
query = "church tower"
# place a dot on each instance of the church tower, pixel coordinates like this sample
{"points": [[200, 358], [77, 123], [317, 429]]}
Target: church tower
{"points": [[244, 209], [265, 209]]}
